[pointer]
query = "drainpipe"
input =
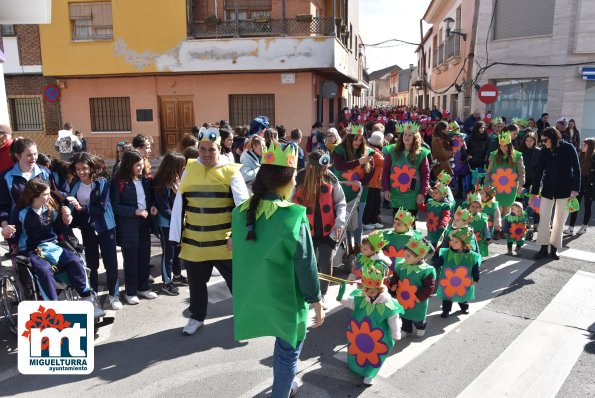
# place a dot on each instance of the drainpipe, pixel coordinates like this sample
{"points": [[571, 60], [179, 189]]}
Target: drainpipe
{"points": [[469, 86], [334, 18], [283, 22], [216, 9]]}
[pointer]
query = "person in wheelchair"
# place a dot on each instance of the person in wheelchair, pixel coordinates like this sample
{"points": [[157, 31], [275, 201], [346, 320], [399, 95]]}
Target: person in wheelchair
{"points": [[34, 228]]}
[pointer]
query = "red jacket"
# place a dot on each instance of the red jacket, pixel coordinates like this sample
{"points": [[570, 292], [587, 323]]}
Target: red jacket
{"points": [[5, 159]]}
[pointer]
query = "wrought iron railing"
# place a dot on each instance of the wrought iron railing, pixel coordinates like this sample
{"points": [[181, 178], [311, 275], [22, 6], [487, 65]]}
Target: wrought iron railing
{"points": [[316, 26], [453, 47], [435, 58], [441, 54]]}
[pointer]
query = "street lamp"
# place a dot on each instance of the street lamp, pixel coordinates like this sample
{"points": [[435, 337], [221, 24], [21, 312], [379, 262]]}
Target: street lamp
{"points": [[449, 21]]}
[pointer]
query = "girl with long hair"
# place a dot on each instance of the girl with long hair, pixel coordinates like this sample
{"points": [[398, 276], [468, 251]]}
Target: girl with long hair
{"points": [[251, 159], [274, 267], [165, 186], [35, 228], [506, 172], [319, 191], [442, 149], [586, 160], [94, 216], [406, 176], [227, 144], [13, 180], [354, 161], [130, 194]]}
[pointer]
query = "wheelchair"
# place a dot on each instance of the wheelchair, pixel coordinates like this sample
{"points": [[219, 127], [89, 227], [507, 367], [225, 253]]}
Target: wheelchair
{"points": [[19, 285]]}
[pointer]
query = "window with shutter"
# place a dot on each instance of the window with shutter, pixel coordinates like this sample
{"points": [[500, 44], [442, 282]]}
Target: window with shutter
{"points": [[514, 18], [91, 21], [247, 9]]}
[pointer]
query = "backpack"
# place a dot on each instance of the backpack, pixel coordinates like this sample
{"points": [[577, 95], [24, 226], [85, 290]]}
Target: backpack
{"points": [[65, 145]]}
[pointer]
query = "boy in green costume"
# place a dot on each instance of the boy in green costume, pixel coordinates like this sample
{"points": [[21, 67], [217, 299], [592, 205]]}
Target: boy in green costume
{"points": [[398, 237], [515, 227], [479, 223], [489, 206], [459, 271], [371, 253], [438, 212], [374, 323], [414, 282]]}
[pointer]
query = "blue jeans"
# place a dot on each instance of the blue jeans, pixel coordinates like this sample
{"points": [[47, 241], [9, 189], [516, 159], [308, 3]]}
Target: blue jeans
{"points": [[285, 359]]}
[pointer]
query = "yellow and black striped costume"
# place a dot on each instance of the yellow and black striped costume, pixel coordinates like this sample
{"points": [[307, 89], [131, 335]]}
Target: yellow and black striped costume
{"points": [[208, 203]]}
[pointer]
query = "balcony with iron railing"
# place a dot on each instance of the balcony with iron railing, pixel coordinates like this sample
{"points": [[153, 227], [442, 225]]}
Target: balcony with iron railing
{"points": [[305, 26]]}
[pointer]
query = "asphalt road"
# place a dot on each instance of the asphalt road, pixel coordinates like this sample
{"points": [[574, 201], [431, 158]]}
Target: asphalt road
{"points": [[531, 332]]}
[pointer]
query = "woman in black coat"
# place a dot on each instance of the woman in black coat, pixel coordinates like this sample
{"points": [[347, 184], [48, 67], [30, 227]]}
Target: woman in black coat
{"points": [[559, 172], [530, 151], [476, 146]]}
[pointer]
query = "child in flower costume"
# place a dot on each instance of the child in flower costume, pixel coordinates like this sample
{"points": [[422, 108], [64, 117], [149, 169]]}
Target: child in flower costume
{"points": [[506, 171], [438, 212], [371, 253], [461, 219], [515, 227], [479, 223], [489, 206], [414, 281], [445, 179], [458, 273], [400, 235], [374, 323]]}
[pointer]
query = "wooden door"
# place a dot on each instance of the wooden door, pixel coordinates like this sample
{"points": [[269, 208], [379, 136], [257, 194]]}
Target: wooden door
{"points": [[177, 119]]}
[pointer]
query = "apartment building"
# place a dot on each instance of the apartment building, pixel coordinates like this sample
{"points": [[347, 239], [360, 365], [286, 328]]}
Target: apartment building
{"points": [[30, 115], [449, 49], [160, 68], [537, 34]]}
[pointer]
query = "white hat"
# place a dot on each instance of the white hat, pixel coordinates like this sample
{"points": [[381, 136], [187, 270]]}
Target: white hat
{"points": [[562, 120], [376, 138]]}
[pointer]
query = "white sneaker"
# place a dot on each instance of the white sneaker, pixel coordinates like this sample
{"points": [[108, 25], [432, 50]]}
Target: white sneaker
{"points": [[324, 303], [148, 294], [420, 333], [293, 391], [569, 231], [115, 303], [368, 381], [215, 272], [379, 226], [192, 326], [132, 300], [369, 226], [583, 230]]}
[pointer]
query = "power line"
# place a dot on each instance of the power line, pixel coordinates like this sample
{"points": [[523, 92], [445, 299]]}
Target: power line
{"points": [[388, 41]]}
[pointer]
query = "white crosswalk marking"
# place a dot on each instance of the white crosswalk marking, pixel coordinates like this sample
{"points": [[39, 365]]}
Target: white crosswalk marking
{"points": [[539, 360]]}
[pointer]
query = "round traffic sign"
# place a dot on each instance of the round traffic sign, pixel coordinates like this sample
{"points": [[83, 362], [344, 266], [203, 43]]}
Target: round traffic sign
{"points": [[488, 93], [51, 93]]}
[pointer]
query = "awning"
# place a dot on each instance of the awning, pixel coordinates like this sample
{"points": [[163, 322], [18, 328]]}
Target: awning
{"points": [[588, 73]]}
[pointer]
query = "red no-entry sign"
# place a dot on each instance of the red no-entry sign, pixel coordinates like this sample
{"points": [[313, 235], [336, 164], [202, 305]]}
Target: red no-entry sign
{"points": [[488, 93]]}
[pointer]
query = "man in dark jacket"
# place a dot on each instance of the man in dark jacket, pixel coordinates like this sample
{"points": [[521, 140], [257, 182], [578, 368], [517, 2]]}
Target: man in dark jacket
{"points": [[543, 122], [470, 122], [559, 171]]}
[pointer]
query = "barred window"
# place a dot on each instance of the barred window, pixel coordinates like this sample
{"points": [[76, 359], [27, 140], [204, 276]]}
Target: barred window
{"points": [[91, 21], [26, 113], [110, 114], [7, 30], [247, 9], [245, 107]]}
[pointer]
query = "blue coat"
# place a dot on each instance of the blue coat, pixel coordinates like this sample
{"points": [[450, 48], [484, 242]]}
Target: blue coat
{"points": [[558, 171], [99, 213], [12, 185], [123, 200], [33, 229], [164, 201]]}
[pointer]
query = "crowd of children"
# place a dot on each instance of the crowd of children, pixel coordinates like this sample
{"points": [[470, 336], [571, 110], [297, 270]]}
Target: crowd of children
{"points": [[396, 270]]}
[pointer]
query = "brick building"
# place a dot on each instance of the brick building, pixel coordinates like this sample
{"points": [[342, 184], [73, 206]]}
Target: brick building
{"points": [[31, 116]]}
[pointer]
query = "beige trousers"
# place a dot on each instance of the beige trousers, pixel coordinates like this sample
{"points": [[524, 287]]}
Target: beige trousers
{"points": [[545, 214]]}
